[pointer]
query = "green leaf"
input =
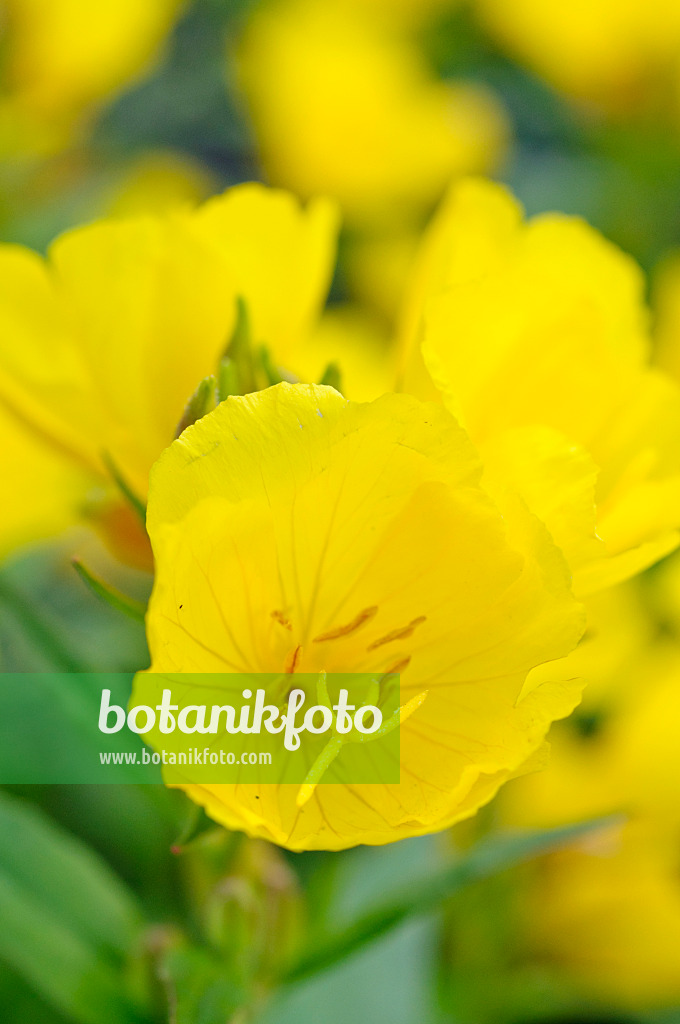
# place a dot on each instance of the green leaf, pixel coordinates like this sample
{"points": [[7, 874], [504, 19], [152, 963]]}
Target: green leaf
{"points": [[37, 626], [21, 1003], [67, 920], [49, 731], [133, 500], [50, 624], [114, 598], [483, 861]]}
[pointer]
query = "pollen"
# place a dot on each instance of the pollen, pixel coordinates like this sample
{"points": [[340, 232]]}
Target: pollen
{"points": [[282, 620]]}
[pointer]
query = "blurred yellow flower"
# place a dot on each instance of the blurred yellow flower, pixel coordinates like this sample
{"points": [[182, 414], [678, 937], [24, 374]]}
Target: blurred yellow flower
{"points": [[614, 652], [609, 915], [536, 334], [153, 183], [608, 911], [103, 343], [61, 57], [344, 105], [616, 54], [309, 533], [43, 487], [407, 12]]}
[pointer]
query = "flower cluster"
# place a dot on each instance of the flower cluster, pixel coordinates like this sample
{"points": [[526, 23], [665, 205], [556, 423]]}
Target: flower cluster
{"points": [[527, 453], [340, 410]]}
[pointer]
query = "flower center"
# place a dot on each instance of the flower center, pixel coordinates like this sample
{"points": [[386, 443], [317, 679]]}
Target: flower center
{"points": [[361, 657]]}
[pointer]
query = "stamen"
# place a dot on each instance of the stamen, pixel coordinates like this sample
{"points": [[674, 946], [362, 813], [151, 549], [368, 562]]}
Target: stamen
{"points": [[397, 634], [279, 617], [360, 620], [399, 666], [292, 659]]}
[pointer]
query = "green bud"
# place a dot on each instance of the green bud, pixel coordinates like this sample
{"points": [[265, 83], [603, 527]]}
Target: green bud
{"points": [[254, 914], [201, 402], [237, 372], [228, 380], [270, 372]]}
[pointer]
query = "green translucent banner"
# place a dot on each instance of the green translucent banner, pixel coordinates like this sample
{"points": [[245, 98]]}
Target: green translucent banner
{"points": [[203, 729]]}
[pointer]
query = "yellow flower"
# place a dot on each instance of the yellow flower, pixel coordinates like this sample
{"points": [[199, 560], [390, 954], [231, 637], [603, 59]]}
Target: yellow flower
{"points": [[609, 916], [61, 58], [344, 105], [296, 531], [103, 343], [614, 652], [536, 335], [404, 12], [606, 52], [153, 183], [42, 487], [608, 911]]}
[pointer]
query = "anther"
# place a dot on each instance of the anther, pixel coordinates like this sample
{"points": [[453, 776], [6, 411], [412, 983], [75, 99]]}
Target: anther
{"points": [[399, 666], [360, 620], [397, 634], [279, 617], [292, 659]]}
